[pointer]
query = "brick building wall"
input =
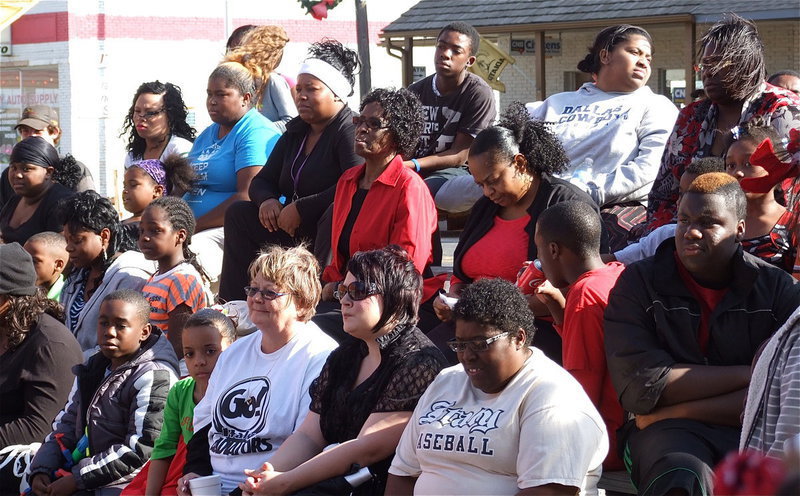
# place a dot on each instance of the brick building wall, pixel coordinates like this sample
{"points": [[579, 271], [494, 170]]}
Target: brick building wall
{"points": [[780, 40], [103, 50]]}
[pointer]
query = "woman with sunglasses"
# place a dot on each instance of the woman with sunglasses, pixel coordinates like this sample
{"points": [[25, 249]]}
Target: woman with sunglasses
{"points": [[258, 392], [380, 202], [506, 420], [364, 396], [294, 190], [733, 70], [156, 123]]}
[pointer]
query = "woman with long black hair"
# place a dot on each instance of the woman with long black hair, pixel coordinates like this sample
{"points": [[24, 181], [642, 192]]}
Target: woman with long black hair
{"points": [[156, 123]]}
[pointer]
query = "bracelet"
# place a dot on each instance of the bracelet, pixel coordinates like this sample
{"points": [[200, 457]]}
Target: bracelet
{"points": [[416, 164]]}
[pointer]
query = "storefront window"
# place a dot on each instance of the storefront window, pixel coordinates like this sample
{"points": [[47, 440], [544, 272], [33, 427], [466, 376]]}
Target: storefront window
{"points": [[21, 87]]}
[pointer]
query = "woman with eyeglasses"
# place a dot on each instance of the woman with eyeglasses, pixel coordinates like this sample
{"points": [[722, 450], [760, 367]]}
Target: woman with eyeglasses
{"points": [[156, 123], [258, 392], [380, 202], [364, 396], [733, 70], [515, 163], [506, 420], [292, 193]]}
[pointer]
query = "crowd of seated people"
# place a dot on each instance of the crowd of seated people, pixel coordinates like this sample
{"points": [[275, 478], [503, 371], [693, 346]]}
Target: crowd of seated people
{"points": [[266, 318]]}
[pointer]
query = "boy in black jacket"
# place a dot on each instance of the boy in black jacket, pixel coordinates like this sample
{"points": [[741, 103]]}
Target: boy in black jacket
{"points": [[681, 330], [117, 401]]}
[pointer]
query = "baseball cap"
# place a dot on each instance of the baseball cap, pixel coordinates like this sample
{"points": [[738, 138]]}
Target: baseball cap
{"points": [[38, 117]]}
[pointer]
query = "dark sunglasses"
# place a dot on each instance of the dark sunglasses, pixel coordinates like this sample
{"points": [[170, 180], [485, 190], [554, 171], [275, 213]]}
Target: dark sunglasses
{"points": [[267, 294], [357, 290], [372, 123]]}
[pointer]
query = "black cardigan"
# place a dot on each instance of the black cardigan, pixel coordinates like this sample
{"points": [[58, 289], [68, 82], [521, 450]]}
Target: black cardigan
{"points": [[551, 191], [332, 155], [35, 381]]}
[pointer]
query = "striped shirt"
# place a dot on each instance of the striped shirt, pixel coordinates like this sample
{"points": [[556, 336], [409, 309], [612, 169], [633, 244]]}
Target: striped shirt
{"points": [[180, 285]]}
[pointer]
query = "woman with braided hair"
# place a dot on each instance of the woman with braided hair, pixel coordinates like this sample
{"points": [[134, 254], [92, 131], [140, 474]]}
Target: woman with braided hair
{"points": [[104, 259], [261, 50], [177, 289]]}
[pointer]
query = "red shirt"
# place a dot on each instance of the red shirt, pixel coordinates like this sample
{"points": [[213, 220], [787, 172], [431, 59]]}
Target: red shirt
{"points": [[500, 253], [583, 351], [707, 298], [398, 210]]}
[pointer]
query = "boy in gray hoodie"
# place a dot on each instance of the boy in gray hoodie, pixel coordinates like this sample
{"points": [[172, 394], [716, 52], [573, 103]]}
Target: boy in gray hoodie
{"points": [[116, 401]]}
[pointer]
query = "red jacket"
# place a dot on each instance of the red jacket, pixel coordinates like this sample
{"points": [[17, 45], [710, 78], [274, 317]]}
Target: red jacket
{"points": [[398, 210]]}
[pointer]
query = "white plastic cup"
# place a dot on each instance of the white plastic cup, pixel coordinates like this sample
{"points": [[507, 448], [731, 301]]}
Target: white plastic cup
{"points": [[210, 485]]}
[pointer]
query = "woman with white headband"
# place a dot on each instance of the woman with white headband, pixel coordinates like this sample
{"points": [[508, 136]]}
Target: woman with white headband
{"points": [[296, 187]]}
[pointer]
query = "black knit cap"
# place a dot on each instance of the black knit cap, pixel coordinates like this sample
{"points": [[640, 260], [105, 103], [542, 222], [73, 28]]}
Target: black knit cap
{"points": [[17, 275]]}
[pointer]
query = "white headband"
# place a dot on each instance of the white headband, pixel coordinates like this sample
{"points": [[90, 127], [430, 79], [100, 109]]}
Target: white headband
{"points": [[329, 75]]}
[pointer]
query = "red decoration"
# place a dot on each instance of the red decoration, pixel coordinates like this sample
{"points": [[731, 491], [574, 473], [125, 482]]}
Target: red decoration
{"points": [[319, 8], [764, 156]]}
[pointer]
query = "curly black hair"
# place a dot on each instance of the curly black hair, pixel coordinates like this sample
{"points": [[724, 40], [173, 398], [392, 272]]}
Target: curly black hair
{"points": [[180, 216], [402, 112], [88, 211], [69, 173], [23, 312], [176, 116], [496, 303], [180, 174], [738, 46], [398, 281], [606, 40], [518, 133], [339, 56]]}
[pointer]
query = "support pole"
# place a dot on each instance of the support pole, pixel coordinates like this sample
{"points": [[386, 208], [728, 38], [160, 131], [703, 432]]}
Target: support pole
{"points": [[688, 69], [362, 33], [541, 92]]}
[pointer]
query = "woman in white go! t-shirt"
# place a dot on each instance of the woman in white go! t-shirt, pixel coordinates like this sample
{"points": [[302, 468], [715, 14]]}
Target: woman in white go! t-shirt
{"points": [[258, 393]]}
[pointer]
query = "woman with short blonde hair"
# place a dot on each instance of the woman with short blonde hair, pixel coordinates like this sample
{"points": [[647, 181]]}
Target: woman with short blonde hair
{"points": [[258, 392]]}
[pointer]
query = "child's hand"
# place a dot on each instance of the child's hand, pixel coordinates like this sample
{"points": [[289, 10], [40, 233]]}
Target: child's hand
{"points": [[39, 484], [63, 486], [549, 294], [183, 484], [553, 299]]}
